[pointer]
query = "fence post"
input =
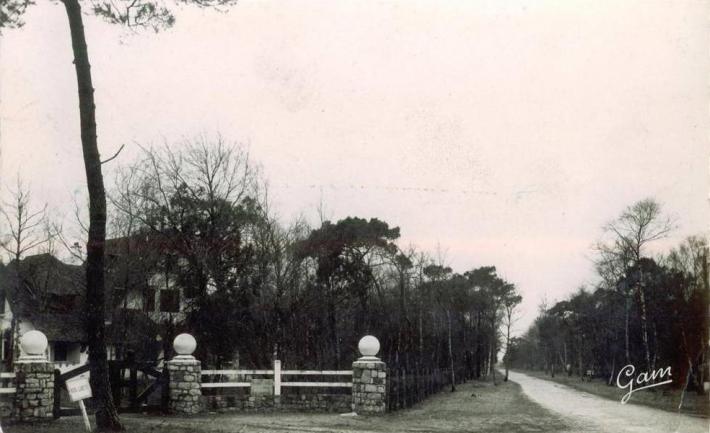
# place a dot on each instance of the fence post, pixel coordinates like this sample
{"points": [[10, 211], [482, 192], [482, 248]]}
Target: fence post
{"points": [[277, 383], [430, 382], [397, 393], [57, 404], [388, 392], [185, 377], [132, 380], [34, 380], [403, 379], [417, 384], [369, 379]]}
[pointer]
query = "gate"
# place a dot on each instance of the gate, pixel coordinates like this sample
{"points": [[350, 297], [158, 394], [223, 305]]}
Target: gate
{"points": [[60, 384], [138, 386]]}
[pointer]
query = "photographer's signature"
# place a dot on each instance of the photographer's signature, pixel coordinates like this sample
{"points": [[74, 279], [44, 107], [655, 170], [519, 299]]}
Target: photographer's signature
{"points": [[644, 380]]}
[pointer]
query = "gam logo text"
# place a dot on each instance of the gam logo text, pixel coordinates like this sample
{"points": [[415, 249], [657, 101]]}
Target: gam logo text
{"points": [[644, 379]]}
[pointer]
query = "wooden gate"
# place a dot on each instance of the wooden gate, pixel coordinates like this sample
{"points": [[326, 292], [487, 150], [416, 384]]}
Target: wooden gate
{"points": [[138, 386], [60, 385]]}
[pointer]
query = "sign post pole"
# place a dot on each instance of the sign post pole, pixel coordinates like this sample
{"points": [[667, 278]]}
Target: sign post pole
{"points": [[79, 389], [87, 424]]}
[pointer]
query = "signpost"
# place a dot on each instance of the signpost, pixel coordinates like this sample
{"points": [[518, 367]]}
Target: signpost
{"points": [[79, 390]]}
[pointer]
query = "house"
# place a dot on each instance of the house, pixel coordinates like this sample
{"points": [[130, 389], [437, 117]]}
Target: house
{"points": [[141, 276], [41, 292]]}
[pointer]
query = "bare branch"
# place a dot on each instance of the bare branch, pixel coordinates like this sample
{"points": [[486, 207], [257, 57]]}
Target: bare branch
{"points": [[114, 155]]}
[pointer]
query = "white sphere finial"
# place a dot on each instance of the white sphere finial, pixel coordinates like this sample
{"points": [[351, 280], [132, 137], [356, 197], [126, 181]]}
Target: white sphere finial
{"points": [[184, 345], [369, 346], [34, 345]]}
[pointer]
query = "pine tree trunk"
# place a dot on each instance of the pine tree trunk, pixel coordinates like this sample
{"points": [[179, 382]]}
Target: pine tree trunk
{"points": [[492, 361], [627, 309], [333, 324], [644, 328], [507, 349], [479, 346], [106, 414], [421, 337], [451, 353]]}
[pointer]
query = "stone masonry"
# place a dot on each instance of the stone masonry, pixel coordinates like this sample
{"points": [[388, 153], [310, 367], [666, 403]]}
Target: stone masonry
{"points": [[34, 398], [369, 387], [185, 391]]}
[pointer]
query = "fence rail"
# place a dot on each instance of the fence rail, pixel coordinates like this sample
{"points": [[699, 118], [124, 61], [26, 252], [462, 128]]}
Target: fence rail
{"points": [[236, 372], [278, 374], [65, 366], [317, 372], [6, 383], [318, 384]]}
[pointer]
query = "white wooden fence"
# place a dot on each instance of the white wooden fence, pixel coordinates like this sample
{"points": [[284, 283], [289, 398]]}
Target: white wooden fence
{"points": [[278, 376], [6, 380]]}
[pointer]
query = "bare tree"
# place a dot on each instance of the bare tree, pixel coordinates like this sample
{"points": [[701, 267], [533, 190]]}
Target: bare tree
{"points": [[628, 237], [196, 203], [28, 230], [26, 224]]}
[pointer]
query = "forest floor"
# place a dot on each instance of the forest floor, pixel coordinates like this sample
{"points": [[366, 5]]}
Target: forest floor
{"points": [[474, 407], [660, 398], [586, 412]]}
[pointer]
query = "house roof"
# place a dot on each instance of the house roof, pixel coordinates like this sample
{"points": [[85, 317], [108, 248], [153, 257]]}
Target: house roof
{"points": [[138, 244], [44, 273], [59, 327], [48, 293]]}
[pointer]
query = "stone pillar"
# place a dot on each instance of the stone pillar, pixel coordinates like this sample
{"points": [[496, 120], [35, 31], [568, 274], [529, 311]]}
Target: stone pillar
{"points": [[34, 380], [369, 379], [185, 377]]}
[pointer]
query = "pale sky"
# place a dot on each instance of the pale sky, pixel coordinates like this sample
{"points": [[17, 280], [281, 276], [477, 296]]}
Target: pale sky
{"points": [[507, 133]]}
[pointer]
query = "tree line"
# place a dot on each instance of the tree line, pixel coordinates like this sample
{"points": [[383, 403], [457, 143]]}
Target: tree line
{"points": [[259, 289], [647, 310], [195, 217]]}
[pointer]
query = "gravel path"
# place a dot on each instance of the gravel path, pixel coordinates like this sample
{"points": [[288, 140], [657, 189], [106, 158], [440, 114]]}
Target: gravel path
{"points": [[589, 413]]}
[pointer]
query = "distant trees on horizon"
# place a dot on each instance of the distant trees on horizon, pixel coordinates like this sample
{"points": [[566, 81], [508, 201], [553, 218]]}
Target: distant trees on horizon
{"points": [[651, 312]]}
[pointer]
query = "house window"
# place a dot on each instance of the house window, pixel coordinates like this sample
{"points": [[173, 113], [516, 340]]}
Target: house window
{"points": [[170, 301], [149, 300], [61, 351]]}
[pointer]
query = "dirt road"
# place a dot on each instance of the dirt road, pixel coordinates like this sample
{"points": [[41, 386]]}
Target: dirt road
{"points": [[588, 413], [477, 407]]}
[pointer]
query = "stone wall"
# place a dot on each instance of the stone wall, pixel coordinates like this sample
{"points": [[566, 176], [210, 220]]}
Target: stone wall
{"points": [[313, 399], [185, 391], [369, 387], [6, 405], [291, 399], [34, 398]]}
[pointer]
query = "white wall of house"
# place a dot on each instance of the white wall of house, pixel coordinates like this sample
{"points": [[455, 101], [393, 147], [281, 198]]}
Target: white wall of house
{"points": [[5, 324], [6, 321], [160, 282], [134, 300]]}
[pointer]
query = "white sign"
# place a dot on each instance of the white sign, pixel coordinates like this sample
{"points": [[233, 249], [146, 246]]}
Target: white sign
{"points": [[79, 388]]}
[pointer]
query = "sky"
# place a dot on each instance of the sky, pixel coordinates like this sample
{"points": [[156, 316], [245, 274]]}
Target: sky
{"points": [[498, 133]]}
